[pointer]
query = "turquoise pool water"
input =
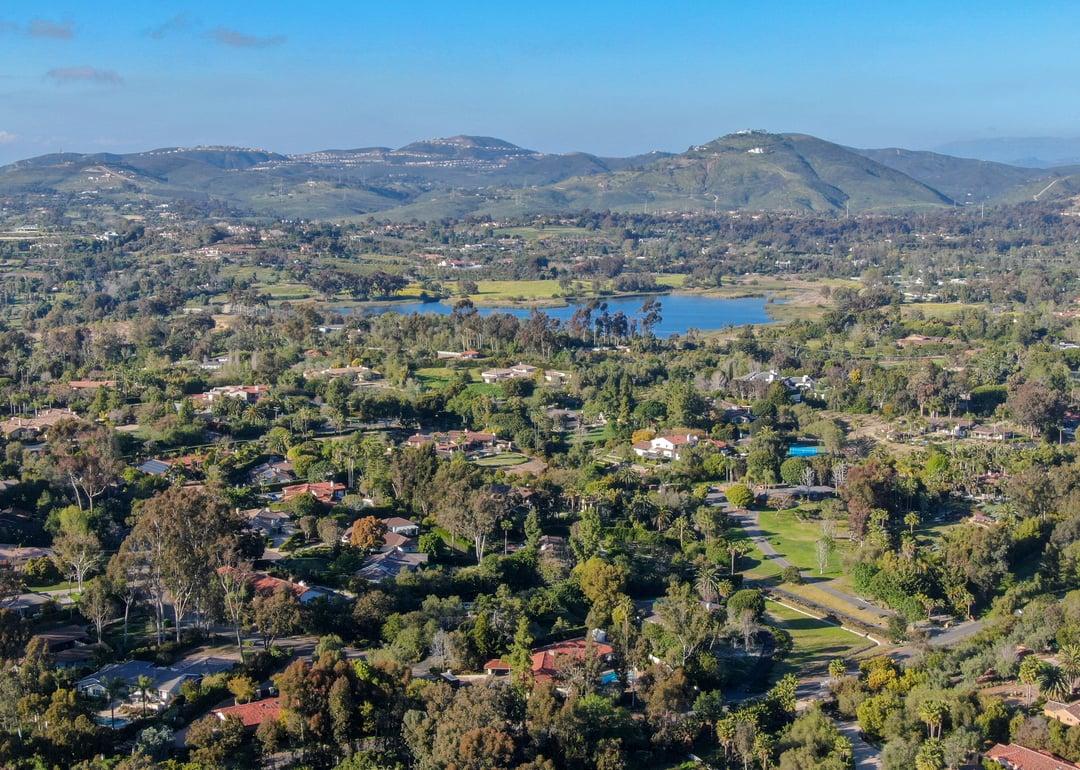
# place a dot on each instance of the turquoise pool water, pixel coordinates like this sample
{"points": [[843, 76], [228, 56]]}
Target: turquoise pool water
{"points": [[801, 450]]}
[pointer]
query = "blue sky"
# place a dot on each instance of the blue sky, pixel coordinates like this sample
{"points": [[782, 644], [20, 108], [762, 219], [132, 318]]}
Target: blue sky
{"points": [[605, 77]]}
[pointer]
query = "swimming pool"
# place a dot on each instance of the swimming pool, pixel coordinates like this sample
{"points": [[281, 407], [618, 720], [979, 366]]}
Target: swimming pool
{"points": [[609, 677], [802, 450]]}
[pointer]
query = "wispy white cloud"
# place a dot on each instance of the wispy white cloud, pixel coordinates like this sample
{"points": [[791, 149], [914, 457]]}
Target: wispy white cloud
{"points": [[234, 38], [55, 30], [6, 137], [181, 22], [84, 75]]}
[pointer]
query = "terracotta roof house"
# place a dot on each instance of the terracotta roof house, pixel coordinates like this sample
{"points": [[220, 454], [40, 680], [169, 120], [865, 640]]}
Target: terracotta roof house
{"points": [[248, 393], [1016, 757], [326, 492], [32, 427], [264, 584], [546, 660], [252, 714]]}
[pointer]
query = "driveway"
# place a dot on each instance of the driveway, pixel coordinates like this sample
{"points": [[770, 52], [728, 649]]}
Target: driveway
{"points": [[867, 757]]}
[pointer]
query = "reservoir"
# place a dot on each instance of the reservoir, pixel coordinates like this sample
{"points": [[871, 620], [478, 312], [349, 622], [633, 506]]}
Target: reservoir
{"points": [[679, 312]]}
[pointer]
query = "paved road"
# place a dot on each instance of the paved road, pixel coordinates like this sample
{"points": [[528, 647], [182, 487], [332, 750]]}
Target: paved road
{"points": [[867, 757], [751, 523]]}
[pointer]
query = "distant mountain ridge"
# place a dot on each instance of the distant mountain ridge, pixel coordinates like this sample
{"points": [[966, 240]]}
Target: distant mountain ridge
{"points": [[461, 175], [1031, 152]]}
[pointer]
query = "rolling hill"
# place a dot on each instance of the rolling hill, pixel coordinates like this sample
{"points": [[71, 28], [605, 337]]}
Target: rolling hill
{"points": [[962, 179], [460, 175]]}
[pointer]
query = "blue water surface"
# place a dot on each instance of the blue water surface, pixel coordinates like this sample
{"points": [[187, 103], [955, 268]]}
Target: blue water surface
{"points": [[679, 312]]}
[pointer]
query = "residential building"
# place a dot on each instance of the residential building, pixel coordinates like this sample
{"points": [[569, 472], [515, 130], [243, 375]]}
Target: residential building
{"points": [[669, 446], [269, 522], [549, 659], [272, 472], [402, 526], [1066, 713], [390, 564], [515, 372], [326, 492], [757, 383], [166, 681], [361, 373], [1016, 757], [253, 714], [467, 441], [247, 393], [37, 426]]}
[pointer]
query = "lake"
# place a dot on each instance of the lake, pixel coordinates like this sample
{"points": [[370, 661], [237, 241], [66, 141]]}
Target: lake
{"points": [[679, 312]]}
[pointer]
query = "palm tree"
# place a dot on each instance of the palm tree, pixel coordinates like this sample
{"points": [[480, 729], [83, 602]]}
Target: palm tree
{"points": [[641, 508], [1054, 684], [764, 744], [1069, 655], [661, 516], [1031, 674], [143, 685], [932, 714], [911, 518], [735, 549], [708, 581], [680, 527], [928, 603]]}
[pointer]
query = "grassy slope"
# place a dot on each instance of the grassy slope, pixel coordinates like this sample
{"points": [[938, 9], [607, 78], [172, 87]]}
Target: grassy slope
{"points": [[815, 642]]}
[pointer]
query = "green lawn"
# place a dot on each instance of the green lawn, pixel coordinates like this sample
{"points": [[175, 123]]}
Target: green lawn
{"points": [[434, 376], [503, 460], [815, 642], [796, 540], [551, 231]]}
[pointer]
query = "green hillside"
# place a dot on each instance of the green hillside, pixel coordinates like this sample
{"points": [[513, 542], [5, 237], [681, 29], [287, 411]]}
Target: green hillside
{"points": [[469, 174], [962, 179]]}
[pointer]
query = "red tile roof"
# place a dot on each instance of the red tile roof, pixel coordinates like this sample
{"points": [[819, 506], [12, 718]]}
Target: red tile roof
{"points": [[323, 491], [1018, 757], [545, 660], [253, 714]]}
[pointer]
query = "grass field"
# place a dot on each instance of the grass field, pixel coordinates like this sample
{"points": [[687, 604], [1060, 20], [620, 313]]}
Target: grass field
{"points": [[941, 310], [815, 642], [539, 233], [796, 540], [504, 460], [434, 377]]}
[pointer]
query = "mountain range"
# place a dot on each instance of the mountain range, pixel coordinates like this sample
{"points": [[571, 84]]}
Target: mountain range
{"points": [[462, 175]]}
